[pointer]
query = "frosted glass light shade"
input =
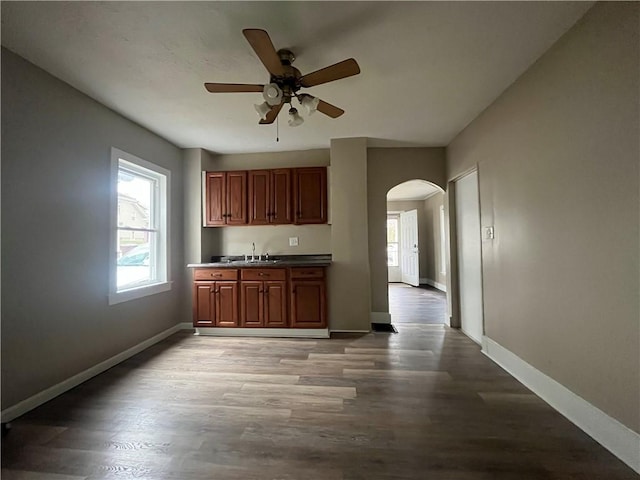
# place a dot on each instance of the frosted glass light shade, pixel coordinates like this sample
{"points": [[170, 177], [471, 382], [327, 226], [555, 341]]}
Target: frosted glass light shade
{"points": [[272, 94], [309, 103], [263, 109], [294, 118]]}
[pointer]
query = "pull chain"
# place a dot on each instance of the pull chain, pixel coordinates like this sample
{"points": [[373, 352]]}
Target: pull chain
{"points": [[277, 129]]}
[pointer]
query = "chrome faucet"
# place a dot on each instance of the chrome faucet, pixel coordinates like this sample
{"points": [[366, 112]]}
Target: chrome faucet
{"points": [[253, 251]]}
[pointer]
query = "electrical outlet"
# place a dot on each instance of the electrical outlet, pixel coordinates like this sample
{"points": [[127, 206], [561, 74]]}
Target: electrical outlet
{"points": [[293, 241]]}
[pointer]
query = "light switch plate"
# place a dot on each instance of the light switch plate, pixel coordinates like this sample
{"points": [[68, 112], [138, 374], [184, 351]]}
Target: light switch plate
{"points": [[489, 234], [293, 241]]}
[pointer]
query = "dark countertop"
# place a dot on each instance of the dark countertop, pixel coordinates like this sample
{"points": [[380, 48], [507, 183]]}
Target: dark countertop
{"points": [[274, 261]]}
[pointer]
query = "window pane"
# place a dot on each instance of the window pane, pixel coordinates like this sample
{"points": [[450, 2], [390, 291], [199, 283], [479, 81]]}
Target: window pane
{"points": [[392, 230], [134, 200], [135, 264], [392, 255]]}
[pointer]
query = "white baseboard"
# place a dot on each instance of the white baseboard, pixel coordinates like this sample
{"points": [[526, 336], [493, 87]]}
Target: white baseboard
{"points": [[440, 286], [380, 317], [265, 332], [50, 393], [620, 440], [350, 331]]}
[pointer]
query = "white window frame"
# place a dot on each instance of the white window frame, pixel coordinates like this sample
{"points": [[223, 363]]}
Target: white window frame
{"points": [[396, 217], [162, 201]]}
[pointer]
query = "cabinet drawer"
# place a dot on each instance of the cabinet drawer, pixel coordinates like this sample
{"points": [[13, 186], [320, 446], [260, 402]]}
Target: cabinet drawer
{"points": [[215, 274], [307, 272], [263, 274]]}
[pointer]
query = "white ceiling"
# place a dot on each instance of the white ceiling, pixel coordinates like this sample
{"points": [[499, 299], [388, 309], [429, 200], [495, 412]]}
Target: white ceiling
{"points": [[428, 68], [412, 190]]}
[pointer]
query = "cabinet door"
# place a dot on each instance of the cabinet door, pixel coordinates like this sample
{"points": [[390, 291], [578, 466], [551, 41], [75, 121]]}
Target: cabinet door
{"points": [[259, 197], [236, 212], [215, 198], [308, 304], [275, 304], [226, 303], [252, 304], [203, 304], [310, 195], [280, 212]]}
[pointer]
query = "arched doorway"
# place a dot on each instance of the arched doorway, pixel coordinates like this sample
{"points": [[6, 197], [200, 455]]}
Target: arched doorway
{"points": [[416, 258]]}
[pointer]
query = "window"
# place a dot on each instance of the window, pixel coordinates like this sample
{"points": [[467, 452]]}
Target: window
{"points": [[443, 245], [392, 241], [140, 232]]}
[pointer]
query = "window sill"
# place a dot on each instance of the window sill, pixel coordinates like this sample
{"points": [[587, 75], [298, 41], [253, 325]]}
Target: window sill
{"points": [[145, 291]]}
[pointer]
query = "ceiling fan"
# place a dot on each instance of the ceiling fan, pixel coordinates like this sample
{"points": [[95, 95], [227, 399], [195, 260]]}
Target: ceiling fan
{"points": [[286, 81]]}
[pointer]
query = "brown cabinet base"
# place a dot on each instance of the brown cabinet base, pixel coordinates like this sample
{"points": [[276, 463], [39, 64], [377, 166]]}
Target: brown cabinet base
{"points": [[262, 298]]}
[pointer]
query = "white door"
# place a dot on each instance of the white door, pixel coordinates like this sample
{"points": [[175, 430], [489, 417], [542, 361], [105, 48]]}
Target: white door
{"points": [[409, 253], [469, 256]]}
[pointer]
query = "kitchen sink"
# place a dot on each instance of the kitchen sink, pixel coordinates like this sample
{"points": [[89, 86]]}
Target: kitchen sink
{"points": [[254, 262]]}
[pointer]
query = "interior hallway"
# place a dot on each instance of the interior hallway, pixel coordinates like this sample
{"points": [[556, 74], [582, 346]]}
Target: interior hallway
{"points": [[424, 305], [423, 403]]}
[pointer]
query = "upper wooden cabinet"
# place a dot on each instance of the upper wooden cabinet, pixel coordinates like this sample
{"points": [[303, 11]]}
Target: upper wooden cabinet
{"points": [[310, 195], [270, 197], [266, 197], [226, 198]]}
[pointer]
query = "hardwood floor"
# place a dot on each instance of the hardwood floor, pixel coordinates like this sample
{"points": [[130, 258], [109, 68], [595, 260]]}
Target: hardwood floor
{"points": [[420, 404], [424, 304]]}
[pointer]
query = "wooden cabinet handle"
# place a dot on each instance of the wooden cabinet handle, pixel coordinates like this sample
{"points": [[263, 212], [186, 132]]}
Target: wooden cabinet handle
{"points": [[262, 274], [216, 274]]}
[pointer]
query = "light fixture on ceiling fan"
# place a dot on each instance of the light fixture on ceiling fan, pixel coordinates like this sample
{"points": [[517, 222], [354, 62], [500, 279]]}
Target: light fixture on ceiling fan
{"points": [[286, 81]]}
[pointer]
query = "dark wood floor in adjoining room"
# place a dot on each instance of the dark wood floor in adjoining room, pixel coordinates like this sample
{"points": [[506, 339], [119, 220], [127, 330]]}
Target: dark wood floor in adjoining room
{"points": [[420, 404], [423, 304]]}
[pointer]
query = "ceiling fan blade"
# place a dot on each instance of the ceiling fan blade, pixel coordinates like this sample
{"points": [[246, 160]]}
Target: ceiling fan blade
{"points": [[329, 110], [273, 113], [232, 87], [344, 69], [262, 45]]}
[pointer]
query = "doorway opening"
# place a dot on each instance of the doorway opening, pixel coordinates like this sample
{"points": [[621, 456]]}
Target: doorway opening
{"points": [[416, 253]]}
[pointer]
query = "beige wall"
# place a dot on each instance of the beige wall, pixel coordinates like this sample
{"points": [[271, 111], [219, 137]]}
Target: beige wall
{"points": [[349, 301], [56, 184], [274, 240], [435, 270], [386, 168], [557, 155]]}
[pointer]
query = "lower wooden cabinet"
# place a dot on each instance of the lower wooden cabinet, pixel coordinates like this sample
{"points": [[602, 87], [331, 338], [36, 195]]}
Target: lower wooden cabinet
{"points": [[308, 297], [263, 304], [215, 303], [262, 298]]}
